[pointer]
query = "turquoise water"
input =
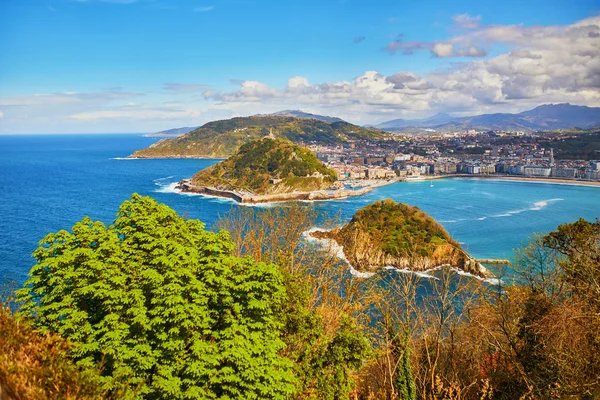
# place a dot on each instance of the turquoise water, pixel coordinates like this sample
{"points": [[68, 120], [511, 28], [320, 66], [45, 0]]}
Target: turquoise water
{"points": [[49, 182]]}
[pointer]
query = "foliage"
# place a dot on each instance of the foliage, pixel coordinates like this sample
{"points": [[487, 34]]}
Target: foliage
{"points": [[583, 146], [323, 335], [257, 163], [397, 228], [223, 138], [162, 305], [404, 383], [396, 234], [36, 366]]}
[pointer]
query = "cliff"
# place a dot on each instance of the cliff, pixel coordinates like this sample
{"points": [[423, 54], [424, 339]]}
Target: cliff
{"points": [[387, 233], [219, 139], [266, 167]]}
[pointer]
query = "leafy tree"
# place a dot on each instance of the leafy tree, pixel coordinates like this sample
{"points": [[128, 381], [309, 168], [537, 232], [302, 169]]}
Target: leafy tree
{"points": [[321, 330], [163, 305]]}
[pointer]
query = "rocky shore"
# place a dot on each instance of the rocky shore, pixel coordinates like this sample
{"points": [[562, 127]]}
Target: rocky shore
{"points": [[251, 198]]}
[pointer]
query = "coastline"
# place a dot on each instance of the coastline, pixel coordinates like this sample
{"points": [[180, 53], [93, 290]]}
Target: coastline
{"points": [[198, 157], [249, 198], [338, 250]]}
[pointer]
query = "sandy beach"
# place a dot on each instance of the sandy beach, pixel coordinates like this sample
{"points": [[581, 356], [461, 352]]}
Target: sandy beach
{"points": [[556, 181]]}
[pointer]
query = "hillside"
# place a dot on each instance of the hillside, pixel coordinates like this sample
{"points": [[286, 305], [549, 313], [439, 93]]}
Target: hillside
{"points": [[302, 114], [223, 138], [542, 118], [386, 233], [268, 166]]}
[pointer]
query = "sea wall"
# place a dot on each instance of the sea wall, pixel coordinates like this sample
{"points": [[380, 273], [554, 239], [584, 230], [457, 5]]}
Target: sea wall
{"points": [[186, 186]]}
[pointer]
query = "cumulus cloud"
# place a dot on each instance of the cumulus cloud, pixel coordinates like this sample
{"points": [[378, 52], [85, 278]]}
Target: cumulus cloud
{"points": [[545, 65], [443, 50]]}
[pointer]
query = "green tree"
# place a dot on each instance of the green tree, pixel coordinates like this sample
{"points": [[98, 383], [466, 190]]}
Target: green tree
{"points": [[163, 305], [404, 383]]}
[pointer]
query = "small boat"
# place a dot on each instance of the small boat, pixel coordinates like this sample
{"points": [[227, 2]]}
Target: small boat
{"points": [[430, 183]]}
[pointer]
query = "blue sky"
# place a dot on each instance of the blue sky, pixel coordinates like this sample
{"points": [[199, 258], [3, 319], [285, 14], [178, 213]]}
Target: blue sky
{"points": [[146, 65]]}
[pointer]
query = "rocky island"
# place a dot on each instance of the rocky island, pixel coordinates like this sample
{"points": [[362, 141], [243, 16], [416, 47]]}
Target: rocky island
{"points": [[398, 235], [269, 170]]}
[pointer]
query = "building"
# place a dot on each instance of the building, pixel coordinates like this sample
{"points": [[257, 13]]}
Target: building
{"points": [[535, 170]]}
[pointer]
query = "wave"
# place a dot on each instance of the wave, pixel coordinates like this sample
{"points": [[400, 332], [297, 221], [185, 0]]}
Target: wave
{"points": [[159, 181], [421, 274], [535, 206], [168, 188], [126, 158], [338, 250]]}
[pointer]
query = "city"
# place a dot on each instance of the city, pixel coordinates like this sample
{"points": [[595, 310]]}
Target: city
{"points": [[498, 153]]}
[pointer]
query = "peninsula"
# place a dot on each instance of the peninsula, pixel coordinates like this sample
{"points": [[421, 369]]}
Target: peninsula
{"points": [[386, 233], [221, 139], [269, 170]]}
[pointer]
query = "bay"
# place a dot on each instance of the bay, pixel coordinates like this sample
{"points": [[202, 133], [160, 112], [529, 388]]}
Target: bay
{"points": [[49, 182]]}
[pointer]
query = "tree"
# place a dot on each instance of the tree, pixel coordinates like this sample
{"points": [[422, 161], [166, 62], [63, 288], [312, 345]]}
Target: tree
{"points": [[163, 305], [321, 330], [36, 366]]}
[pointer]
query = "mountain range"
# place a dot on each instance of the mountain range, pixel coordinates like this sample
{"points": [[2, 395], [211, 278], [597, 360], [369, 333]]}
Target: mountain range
{"points": [[543, 118]]}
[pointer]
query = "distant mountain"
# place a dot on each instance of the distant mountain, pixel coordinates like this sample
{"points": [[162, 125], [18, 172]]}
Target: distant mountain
{"points": [[542, 118], [302, 114], [223, 138], [437, 119]]}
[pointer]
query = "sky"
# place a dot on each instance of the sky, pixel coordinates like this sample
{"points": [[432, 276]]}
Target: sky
{"points": [[107, 66]]}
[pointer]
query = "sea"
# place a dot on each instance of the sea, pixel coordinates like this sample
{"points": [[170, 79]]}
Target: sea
{"points": [[49, 182]]}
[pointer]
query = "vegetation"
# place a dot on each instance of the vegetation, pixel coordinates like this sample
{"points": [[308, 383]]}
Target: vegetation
{"points": [[166, 310], [323, 316], [163, 306], [224, 138], [390, 233], [584, 146], [37, 366], [268, 166]]}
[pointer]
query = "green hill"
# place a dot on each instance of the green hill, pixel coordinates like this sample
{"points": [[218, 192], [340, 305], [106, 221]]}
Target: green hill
{"points": [[387, 233], [224, 138], [268, 166]]}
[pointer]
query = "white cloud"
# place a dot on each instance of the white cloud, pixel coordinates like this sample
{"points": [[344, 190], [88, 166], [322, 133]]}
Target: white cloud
{"points": [[443, 50], [545, 64], [1, 114]]}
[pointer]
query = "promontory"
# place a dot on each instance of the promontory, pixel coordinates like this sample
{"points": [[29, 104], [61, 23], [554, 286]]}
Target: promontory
{"points": [[267, 170], [221, 139], [386, 233]]}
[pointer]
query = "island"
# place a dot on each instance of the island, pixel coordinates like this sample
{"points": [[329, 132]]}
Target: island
{"points": [[269, 170], [390, 234]]}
